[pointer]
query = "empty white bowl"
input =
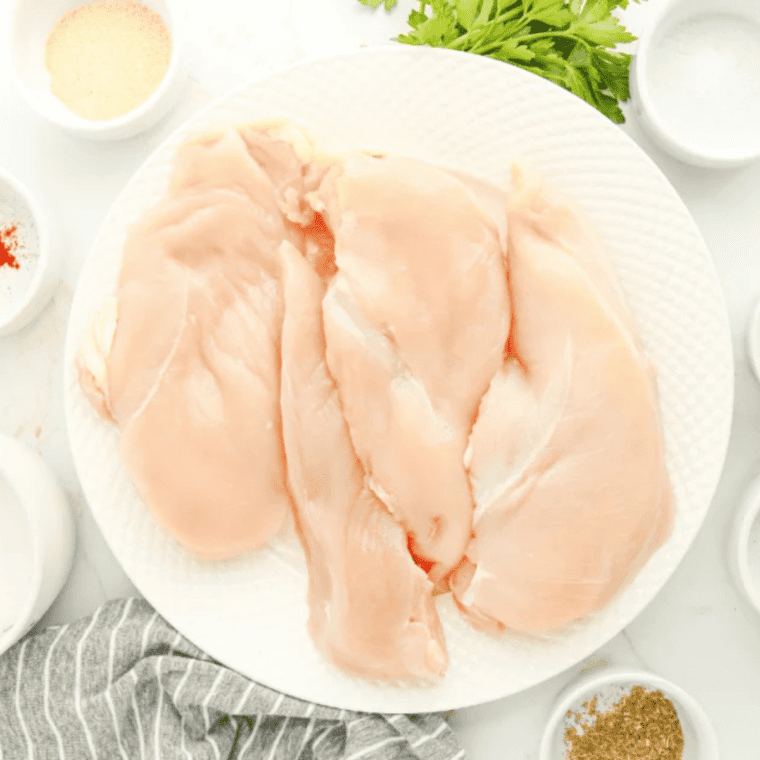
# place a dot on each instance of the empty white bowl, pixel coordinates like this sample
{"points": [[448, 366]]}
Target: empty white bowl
{"points": [[699, 737], [744, 547], [753, 340], [694, 81], [37, 539], [30, 24], [25, 290]]}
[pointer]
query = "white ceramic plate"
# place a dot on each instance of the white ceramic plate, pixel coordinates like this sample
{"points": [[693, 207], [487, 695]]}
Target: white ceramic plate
{"points": [[475, 115]]}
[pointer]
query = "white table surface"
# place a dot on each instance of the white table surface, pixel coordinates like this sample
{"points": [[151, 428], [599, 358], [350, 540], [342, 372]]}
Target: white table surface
{"points": [[697, 632]]}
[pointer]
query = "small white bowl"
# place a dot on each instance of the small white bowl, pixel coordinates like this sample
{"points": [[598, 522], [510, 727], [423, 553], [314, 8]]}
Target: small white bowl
{"points": [[671, 85], [700, 742], [744, 547], [37, 539], [25, 290], [30, 24], [753, 340]]}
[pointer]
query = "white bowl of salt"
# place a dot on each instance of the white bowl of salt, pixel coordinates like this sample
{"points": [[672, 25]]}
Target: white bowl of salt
{"points": [[744, 545], [37, 539], [696, 83]]}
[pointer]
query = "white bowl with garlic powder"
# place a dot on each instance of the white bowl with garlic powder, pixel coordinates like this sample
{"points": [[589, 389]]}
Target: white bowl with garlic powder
{"points": [[696, 89], [94, 73]]}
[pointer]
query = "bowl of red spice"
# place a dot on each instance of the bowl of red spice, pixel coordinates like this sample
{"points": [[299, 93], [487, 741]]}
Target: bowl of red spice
{"points": [[29, 264], [621, 714]]}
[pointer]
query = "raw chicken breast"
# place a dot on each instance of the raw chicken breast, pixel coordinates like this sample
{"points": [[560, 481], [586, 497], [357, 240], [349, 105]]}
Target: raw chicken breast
{"points": [[192, 372], [566, 457], [415, 321], [372, 611]]}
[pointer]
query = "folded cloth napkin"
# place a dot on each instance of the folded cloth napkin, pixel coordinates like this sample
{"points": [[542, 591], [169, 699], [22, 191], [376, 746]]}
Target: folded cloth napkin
{"points": [[123, 684]]}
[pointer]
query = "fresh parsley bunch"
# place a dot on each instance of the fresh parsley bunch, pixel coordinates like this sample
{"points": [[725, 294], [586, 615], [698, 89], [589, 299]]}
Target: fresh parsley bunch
{"points": [[570, 42]]}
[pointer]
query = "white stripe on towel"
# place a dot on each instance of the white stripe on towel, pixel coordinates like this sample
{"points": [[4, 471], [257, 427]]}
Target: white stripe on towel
{"points": [[306, 734], [206, 717], [144, 644], [112, 641], [138, 720], [428, 737], [176, 641], [174, 699], [279, 736], [375, 747], [238, 710], [182, 738], [207, 699], [356, 722], [250, 738], [78, 682], [46, 693], [159, 709], [319, 739], [215, 746], [182, 680], [109, 697], [27, 738]]}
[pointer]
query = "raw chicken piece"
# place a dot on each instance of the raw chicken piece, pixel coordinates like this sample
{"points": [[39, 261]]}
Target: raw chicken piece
{"points": [[91, 359], [372, 611], [415, 321], [566, 457], [192, 374]]}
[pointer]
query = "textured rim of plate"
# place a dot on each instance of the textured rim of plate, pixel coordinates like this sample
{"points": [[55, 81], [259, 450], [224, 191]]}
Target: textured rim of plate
{"points": [[661, 212]]}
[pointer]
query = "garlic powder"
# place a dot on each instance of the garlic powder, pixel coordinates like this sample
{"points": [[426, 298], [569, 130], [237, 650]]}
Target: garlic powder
{"points": [[106, 58]]}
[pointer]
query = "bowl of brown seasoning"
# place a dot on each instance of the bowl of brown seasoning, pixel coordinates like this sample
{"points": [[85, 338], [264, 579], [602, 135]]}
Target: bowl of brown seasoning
{"points": [[101, 69], [621, 714]]}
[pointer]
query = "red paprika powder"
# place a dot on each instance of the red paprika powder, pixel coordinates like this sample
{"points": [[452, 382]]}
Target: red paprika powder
{"points": [[8, 244]]}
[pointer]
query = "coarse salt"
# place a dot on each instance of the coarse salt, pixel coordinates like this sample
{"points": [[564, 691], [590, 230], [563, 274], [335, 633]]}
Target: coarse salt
{"points": [[703, 78]]}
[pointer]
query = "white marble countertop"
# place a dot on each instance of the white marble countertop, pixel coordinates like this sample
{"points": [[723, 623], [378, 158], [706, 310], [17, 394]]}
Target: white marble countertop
{"points": [[697, 632]]}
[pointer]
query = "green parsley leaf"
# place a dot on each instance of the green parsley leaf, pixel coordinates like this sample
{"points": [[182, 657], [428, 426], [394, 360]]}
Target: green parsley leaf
{"points": [[607, 32], [570, 42], [558, 17], [387, 4]]}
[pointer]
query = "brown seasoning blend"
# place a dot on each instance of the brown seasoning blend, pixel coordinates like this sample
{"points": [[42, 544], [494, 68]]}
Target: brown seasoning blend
{"points": [[643, 725]]}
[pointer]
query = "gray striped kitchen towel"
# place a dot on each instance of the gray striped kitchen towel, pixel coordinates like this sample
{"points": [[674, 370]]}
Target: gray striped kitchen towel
{"points": [[122, 684]]}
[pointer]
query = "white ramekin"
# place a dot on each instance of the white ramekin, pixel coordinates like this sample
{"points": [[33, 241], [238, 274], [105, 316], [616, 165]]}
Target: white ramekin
{"points": [[700, 742], [29, 27], [28, 213], [753, 340], [744, 535], [51, 526], [680, 144]]}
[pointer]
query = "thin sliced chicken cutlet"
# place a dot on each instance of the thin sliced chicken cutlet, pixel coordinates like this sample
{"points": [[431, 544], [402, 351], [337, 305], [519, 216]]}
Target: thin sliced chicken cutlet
{"points": [[566, 458], [192, 374], [415, 320], [371, 607]]}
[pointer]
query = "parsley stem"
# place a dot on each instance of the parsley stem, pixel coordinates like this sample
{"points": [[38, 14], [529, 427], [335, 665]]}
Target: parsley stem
{"points": [[478, 31], [540, 35]]}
